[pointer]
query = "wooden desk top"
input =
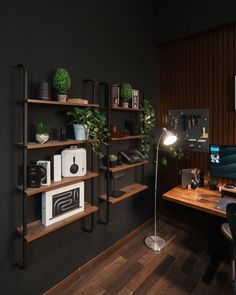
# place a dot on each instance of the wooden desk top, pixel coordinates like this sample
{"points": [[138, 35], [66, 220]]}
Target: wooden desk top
{"points": [[204, 199]]}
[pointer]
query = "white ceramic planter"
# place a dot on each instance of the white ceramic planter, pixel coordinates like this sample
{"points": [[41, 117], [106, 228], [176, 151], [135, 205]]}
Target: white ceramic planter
{"points": [[42, 138], [80, 132], [62, 97]]}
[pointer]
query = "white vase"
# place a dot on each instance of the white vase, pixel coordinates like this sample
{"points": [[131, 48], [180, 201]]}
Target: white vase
{"points": [[62, 97], [80, 132], [42, 138], [125, 104]]}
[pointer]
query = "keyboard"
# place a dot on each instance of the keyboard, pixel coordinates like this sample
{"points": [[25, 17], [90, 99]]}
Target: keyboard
{"points": [[223, 202]]}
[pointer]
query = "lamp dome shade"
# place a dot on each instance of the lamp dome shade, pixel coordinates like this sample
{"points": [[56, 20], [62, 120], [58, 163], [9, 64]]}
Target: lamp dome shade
{"points": [[169, 137]]}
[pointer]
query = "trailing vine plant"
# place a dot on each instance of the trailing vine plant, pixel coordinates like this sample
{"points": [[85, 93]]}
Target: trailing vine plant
{"points": [[147, 118]]}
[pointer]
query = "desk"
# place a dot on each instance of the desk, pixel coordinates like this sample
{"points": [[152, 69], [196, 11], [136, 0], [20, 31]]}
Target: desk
{"points": [[204, 200]]}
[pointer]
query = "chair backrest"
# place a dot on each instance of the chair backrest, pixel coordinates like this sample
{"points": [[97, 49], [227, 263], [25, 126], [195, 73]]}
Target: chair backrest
{"points": [[231, 217]]}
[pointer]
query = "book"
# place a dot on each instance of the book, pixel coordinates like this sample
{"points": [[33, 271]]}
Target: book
{"points": [[77, 100]]}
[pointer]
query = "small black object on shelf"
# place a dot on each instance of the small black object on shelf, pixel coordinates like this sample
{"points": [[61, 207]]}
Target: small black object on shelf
{"points": [[62, 136], [44, 90], [116, 193]]}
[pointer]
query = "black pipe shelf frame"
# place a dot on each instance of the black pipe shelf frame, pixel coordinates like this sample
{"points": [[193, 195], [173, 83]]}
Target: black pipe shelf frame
{"points": [[132, 189], [35, 230]]}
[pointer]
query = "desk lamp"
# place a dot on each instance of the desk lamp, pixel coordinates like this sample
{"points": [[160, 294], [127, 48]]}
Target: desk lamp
{"points": [[153, 242]]}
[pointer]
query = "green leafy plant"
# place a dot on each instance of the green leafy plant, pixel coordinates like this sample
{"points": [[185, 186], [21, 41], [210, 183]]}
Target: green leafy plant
{"points": [[42, 128], [126, 92], [113, 158], [61, 81], [172, 152], [95, 124], [147, 118]]}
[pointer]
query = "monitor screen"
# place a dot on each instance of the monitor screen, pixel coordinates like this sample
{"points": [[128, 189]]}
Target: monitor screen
{"points": [[223, 161]]}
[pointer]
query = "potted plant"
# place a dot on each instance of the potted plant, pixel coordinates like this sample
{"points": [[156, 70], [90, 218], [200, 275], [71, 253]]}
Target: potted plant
{"points": [[42, 133], [62, 83], [212, 182], [126, 94], [112, 160], [92, 127]]}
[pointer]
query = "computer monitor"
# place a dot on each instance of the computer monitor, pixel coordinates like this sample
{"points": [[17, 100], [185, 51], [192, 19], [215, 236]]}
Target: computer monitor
{"points": [[223, 161]]}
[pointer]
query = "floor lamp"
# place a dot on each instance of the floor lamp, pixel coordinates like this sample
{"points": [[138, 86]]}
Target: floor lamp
{"points": [[153, 242]]}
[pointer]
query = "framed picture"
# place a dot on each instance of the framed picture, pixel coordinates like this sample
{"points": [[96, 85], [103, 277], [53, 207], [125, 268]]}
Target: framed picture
{"points": [[115, 93], [61, 203], [135, 99]]}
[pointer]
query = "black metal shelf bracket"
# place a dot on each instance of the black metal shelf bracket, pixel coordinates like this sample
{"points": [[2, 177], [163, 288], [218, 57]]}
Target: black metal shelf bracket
{"points": [[108, 183], [21, 67]]}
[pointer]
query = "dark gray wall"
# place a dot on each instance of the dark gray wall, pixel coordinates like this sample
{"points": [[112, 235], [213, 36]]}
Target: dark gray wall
{"points": [[178, 19], [101, 40]]}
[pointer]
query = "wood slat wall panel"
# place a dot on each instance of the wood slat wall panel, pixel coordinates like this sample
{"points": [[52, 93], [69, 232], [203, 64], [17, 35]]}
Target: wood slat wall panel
{"points": [[197, 73]]}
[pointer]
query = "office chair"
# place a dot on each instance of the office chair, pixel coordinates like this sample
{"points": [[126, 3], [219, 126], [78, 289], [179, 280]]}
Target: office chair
{"points": [[229, 231]]}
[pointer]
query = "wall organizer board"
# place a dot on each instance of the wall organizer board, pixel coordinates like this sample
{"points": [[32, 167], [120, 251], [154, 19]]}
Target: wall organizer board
{"points": [[192, 128]]}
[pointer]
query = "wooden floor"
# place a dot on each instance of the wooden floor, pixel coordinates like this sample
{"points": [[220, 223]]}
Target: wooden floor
{"points": [[134, 269]]}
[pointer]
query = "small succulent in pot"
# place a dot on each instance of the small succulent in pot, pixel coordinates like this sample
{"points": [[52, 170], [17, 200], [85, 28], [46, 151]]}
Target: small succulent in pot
{"points": [[126, 94], [42, 132], [62, 83], [112, 160]]}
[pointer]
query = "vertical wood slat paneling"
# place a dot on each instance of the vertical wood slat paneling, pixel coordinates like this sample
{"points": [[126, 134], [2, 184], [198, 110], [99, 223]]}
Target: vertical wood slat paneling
{"points": [[197, 73]]}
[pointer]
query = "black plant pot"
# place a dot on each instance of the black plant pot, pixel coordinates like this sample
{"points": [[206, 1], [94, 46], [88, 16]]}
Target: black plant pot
{"points": [[212, 186], [111, 163]]}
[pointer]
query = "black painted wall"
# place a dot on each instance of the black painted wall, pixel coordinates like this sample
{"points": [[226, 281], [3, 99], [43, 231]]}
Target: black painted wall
{"points": [[178, 19], [102, 40]]}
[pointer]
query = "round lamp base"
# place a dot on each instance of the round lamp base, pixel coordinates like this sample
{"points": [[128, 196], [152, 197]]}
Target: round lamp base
{"points": [[155, 243]]}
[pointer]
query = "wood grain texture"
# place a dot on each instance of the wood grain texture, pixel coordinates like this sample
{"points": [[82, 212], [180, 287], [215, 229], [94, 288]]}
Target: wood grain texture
{"points": [[37, 230], [52, 144], [197, 72], [202, 199], [58, 184], [124, 166], [130, 190], [54, 102], [135, 269]]}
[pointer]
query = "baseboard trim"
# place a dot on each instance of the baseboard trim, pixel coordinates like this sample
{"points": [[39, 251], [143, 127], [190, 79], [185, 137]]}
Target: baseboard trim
{"points": [[96, 260]]}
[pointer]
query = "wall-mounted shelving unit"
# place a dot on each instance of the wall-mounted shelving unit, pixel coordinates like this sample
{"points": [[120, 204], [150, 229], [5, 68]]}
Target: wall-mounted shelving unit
{"points": [[30, 231], [133, 188]]}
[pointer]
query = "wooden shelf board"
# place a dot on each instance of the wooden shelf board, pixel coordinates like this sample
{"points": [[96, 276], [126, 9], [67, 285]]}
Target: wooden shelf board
{"points": [[52, 143], [36, 230], [122, 109], [124, 166], [130, 190], [54, 185], [54, 102], [129, 137]]}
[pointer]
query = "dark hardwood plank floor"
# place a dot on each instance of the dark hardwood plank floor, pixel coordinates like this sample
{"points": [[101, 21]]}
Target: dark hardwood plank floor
{"points": [[134, 269]]}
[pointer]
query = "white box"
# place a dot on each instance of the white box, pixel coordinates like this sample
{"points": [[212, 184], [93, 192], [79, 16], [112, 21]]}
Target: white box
{"points": [[57, 168], [61, 203], [73, 161], [46, 172]]}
